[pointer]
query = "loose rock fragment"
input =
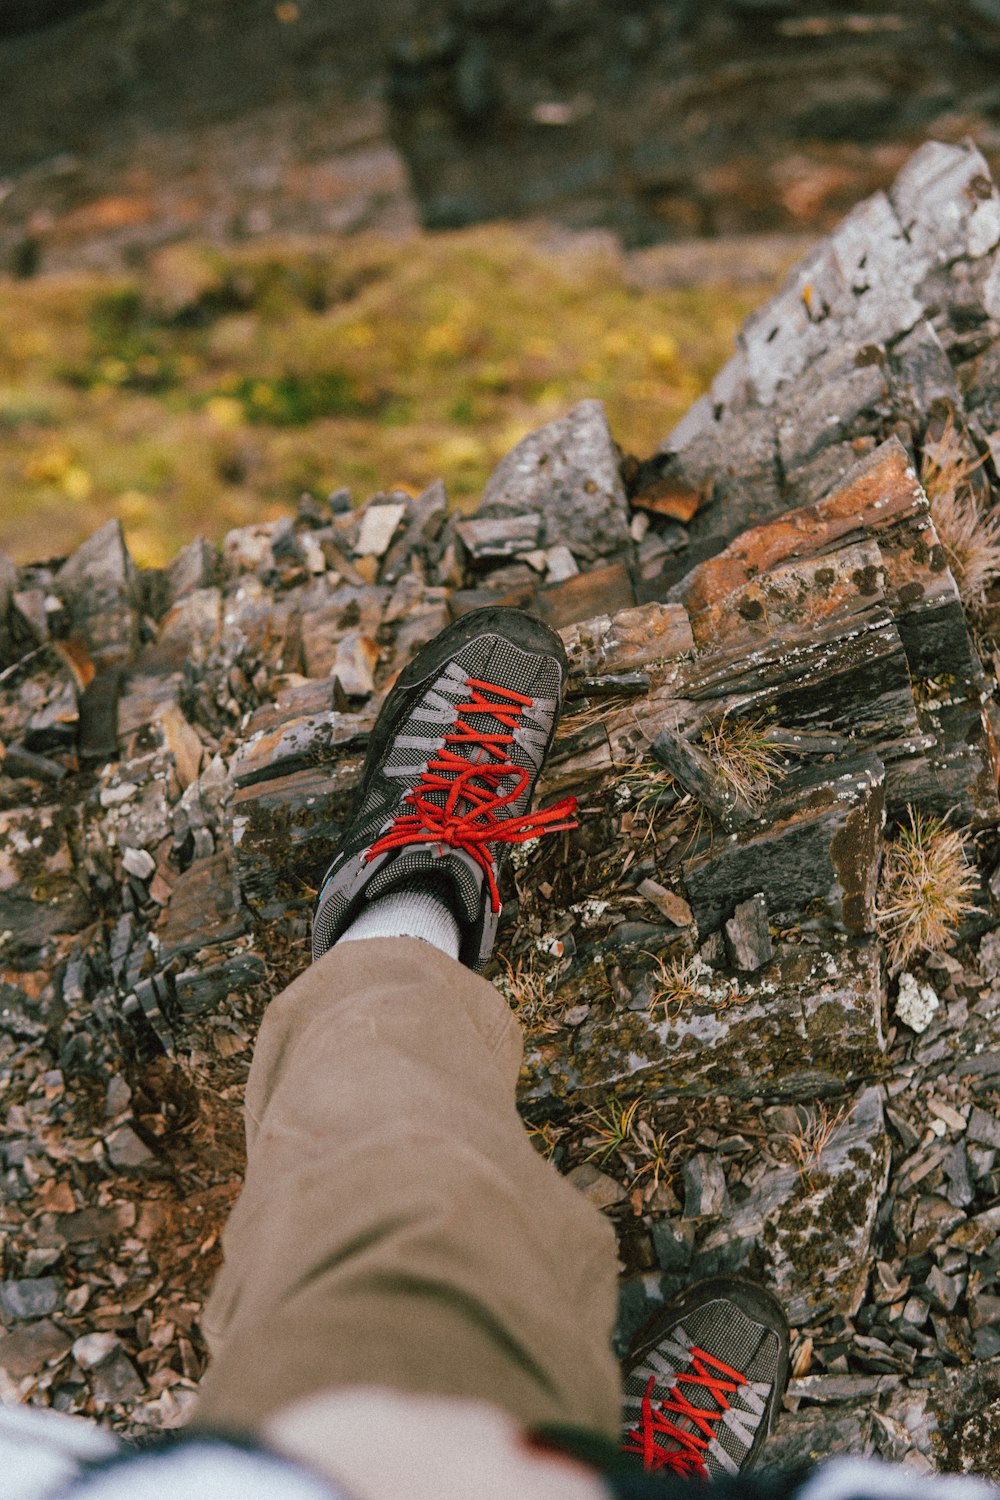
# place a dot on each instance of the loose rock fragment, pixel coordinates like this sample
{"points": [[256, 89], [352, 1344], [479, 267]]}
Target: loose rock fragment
{"points": [[568, 472], [916, 1003], [748, 935], [705, 1194]]}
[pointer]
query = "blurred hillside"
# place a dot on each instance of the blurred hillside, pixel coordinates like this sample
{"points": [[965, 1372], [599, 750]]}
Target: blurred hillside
{"points": [[212, 387], [128, 126]]}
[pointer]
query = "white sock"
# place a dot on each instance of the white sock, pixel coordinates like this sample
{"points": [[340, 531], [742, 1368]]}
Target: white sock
{"points": [[416, 911]]}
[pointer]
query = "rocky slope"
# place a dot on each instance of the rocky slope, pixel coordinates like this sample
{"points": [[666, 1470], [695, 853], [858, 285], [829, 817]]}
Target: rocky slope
{"points": [[724, 1051]]}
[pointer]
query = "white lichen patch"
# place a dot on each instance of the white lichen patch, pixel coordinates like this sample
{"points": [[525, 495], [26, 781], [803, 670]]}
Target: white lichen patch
{"points": [[590, 911], [916, 1003]]}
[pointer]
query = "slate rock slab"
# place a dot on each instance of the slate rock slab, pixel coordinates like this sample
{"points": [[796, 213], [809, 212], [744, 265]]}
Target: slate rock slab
{"points": [[811, 1224], [807, 1021], [100, 586], [29, 1298], [568, 471]]}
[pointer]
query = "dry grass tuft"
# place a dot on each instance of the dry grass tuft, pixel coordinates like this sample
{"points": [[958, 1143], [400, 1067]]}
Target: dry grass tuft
{"points": [[970, 539], [746, 756], [525, 987], [925, 888], [805, 1146], [676, 984]]}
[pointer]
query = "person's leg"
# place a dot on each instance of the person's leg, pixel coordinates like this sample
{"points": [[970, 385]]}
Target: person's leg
{"points": [[396, 1226]]}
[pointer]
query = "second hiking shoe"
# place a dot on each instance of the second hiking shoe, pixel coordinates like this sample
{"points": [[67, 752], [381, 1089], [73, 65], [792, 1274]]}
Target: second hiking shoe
{"points": [[451, 768], [704, 1380]]}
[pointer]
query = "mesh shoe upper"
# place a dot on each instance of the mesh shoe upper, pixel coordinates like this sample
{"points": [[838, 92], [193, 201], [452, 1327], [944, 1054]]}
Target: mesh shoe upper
{"points": [[450, 772], [702, 1390]]}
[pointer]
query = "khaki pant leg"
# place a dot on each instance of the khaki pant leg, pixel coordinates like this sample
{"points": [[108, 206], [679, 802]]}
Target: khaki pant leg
{"points": [[396, 1227]]}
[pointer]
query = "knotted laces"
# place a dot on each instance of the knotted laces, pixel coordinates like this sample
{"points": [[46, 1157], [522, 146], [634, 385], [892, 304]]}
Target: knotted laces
{"points": [[665, 1445], [457, 802]]}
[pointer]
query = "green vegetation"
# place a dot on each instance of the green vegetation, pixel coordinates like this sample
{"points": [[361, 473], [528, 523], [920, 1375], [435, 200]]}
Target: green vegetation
{"points": [[211, 389]]}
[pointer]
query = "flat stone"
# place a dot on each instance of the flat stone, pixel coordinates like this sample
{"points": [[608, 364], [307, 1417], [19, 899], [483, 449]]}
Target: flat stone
{"points": [[39, 895], [812, 1226], [194, 567], [560, 564], [100, 587], [189, 631], [138, 862], [116, 1379], [308, 809], [748, 935], [201, 909], [916, 1003], [568, 472], [298, 742], [32, 1297], [90, 1349], [819, 845], [673, 907], [126, 1150], [673, 1243], [596, 1186], [27, 1350], [500, 537], [216, 972], [378, 527], [984, 1128], [705, 1194], [628, 640], [807, 1021], [354, 664], [95, 1223], [182, 742], [943, 1291]]}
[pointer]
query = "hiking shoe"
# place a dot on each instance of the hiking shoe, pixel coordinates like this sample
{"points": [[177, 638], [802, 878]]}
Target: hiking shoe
{"points": [[704, 1378], [452, 764]]}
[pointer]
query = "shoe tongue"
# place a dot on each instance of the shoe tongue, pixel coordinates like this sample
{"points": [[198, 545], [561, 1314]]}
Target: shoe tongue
{"points": [[460, 874]]}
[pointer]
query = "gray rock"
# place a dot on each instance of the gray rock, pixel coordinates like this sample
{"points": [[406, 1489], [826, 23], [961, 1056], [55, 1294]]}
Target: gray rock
{"points": [[943, 1291], [922, 378], [28, 1350], [959, 1192], [567, 471], [813, 1225], [138, 862], [816, 1433], [378, 527], [983, 1128], [596, 1186], [29, 1298], [705, 1194], [194, 567], [100, 587], [673, 1243], [809, 1020], [92, 1348], [116, 1379], [748, 935], [497, 538], [126, 1151]]}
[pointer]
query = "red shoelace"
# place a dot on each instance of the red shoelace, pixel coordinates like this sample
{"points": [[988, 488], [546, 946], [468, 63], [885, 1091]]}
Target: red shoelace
{"points": [[467, 819], [683, 1456]]}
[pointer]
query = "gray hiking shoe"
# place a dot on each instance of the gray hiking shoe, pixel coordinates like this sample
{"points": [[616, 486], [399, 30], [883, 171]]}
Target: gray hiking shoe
{"points": [[704, 1380], [451, 767]]}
